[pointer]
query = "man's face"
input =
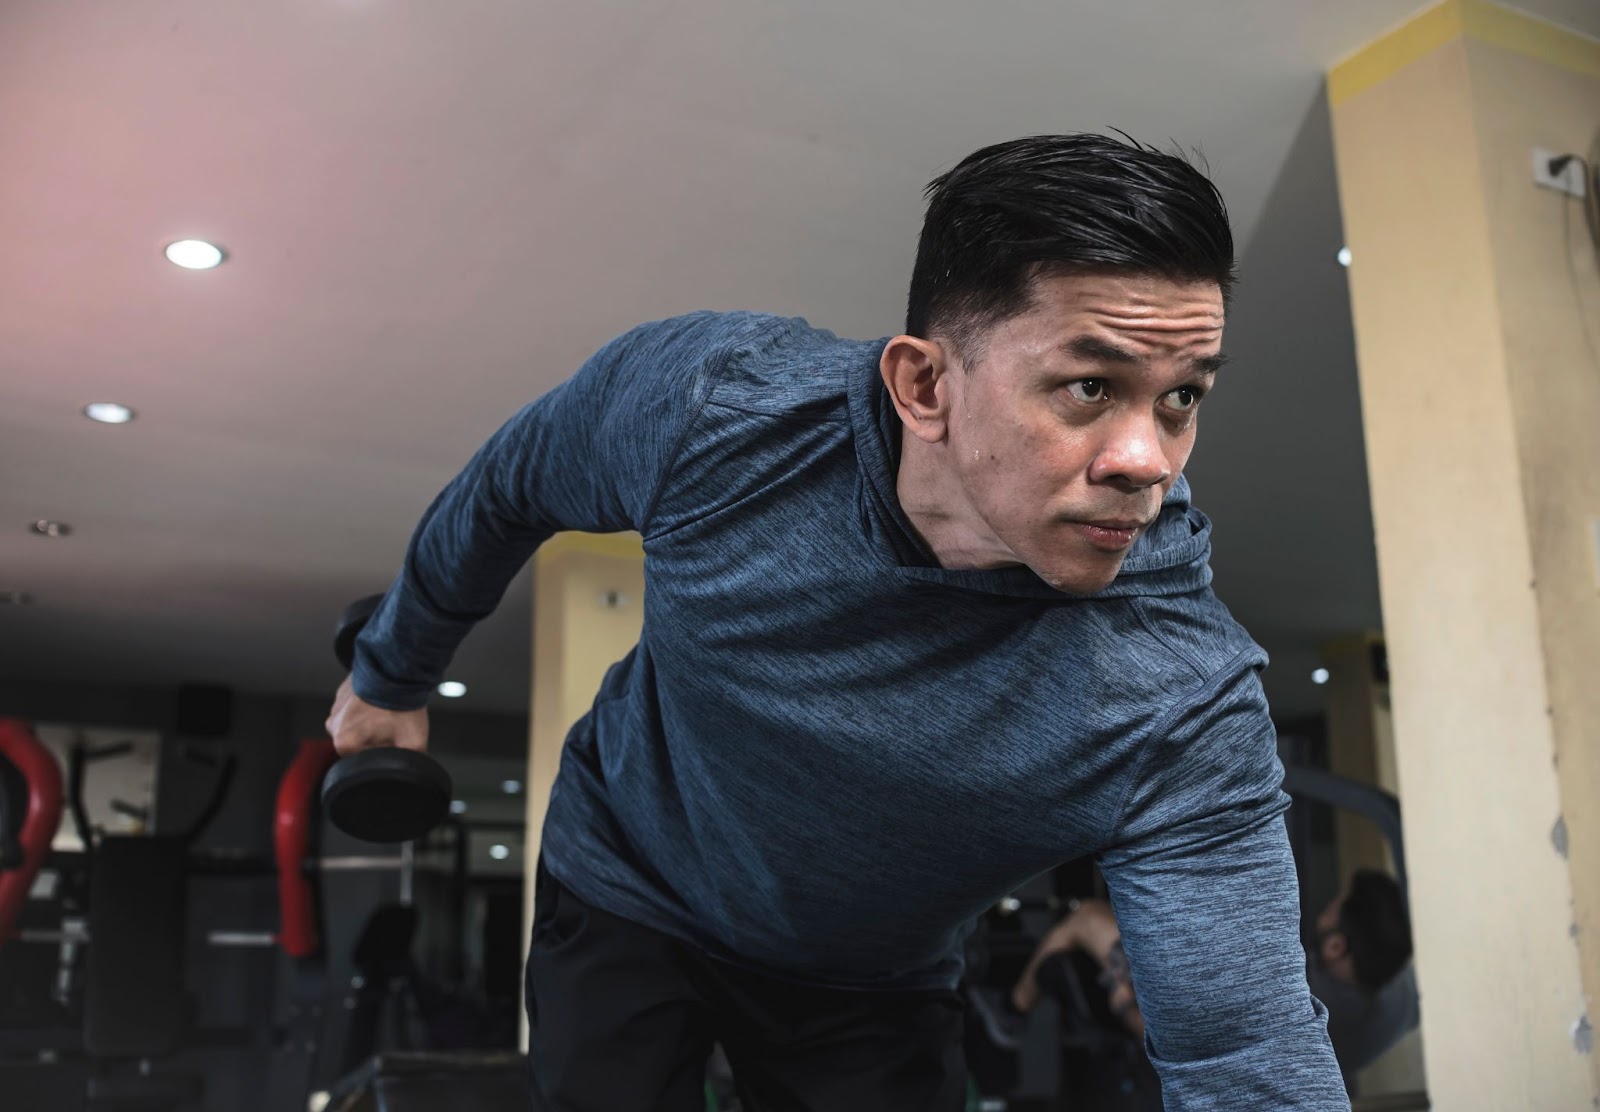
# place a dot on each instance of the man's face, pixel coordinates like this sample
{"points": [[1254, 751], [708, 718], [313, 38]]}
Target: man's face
{"points": [[1331, 944], [1079, 415], [1328, 919]]}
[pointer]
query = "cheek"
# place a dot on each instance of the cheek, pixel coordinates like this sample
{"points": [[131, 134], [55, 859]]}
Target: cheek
{"points": [[1062, 458], [994, 446], [1019, 463], [1179, 447]]}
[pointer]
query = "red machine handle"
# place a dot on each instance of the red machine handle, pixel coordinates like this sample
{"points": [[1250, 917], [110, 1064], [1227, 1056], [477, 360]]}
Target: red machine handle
{"points": [[296, 811], [43, 775]]}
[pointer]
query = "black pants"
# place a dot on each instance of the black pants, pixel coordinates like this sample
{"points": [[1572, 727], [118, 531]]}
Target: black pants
{"points": [[622, 1018]]}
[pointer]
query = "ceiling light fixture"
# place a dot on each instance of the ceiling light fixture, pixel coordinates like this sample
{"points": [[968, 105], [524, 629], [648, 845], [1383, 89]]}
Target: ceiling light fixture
{"points": [[1320, 676], [45, 528], [195, 254], [511, 787], [450, 689], [108, 413], [458, 806], [13, 597], [499, 852], [1343, 256]]}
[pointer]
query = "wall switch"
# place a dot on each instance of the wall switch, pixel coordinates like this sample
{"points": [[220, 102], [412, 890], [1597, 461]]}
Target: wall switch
{"points": [[1569, 180]]}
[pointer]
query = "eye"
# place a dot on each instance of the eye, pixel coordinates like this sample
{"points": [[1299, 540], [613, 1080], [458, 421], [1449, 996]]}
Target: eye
{"points": [[1185, 398], [1088, 390]]}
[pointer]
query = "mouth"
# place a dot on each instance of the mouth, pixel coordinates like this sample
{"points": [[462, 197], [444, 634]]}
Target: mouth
{"points": [[1110, 536]]}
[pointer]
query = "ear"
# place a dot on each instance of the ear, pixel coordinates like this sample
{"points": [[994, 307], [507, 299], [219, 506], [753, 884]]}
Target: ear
{"points": [[915, 372], [1334, 947]]}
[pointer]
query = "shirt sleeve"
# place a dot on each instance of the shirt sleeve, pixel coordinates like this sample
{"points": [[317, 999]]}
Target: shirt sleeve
{"points": [[590, 455], [1205, 892]]}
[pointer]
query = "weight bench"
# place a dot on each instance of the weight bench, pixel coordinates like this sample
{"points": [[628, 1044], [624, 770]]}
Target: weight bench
{"points": [[136, 1007]]}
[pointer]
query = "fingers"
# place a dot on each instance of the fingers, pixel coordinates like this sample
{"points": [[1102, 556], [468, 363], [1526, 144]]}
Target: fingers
{"points": [[355, 724], [340, 697]]}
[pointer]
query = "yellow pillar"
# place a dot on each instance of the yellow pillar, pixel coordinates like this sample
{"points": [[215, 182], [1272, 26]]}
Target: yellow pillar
{"points": [[1476, 305], [588, 609]]}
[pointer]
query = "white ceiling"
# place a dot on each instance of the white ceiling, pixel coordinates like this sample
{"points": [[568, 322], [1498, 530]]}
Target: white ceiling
{"points": [[434, 211]]}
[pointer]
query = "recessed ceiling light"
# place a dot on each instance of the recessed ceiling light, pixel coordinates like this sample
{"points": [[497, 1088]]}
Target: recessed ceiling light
{"points": [[458, 806], [45, 528], [195, 254], [1320, 676], [511, 787], [11, 597], [1343, 256], [450, 689], [499, 852], [108, 413]]}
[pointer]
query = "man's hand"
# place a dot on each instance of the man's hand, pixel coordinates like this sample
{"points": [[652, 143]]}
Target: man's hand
{"points": [[355, 724], [1091, 926]]}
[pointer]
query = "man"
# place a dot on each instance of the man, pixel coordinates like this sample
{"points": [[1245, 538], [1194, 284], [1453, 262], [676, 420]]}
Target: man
{"points": [[1089, 926], [924, 617], [1359, 966]]}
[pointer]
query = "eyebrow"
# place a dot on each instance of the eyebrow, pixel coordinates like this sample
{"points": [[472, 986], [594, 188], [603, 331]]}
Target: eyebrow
{"points": [[1095, 350]]}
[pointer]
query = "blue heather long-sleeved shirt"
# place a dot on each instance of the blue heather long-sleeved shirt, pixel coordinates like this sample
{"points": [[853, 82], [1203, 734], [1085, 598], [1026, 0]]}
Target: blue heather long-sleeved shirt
{"points": [[827, 754]]}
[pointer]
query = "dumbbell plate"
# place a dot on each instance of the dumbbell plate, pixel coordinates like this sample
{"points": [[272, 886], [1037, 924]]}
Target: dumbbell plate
{"points": [[386, 795]]}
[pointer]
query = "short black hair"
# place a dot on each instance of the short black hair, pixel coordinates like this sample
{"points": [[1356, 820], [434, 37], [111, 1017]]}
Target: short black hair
{"points": [[1375, 926], [1055, 205]]}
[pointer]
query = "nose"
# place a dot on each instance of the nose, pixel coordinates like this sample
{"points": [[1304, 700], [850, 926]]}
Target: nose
{"points": [[1131, 456]]}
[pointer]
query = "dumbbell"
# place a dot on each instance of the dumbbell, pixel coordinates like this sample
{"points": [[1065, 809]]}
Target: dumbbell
{"points": [[387, 794]]}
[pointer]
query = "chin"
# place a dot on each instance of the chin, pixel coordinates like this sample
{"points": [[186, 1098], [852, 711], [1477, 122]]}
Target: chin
{"points": [[1079, 579]]}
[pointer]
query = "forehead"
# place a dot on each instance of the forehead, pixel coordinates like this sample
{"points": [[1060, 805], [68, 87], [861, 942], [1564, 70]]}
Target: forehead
{"points": [[1158, 312]]}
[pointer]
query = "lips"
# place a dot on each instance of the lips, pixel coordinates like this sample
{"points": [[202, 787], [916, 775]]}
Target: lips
{"points": [[1110, 536]]}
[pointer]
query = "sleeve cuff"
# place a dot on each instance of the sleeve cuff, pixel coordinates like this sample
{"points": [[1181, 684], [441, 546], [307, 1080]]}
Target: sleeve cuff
{"points": [[1292, 1069]]}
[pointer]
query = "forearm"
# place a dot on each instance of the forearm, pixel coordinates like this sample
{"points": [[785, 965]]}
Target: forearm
{"points": [[1025, 993], [1207, 900], [1211, 933]]}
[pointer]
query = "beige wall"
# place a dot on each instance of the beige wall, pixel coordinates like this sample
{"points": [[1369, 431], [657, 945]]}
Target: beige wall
{"points": [[1482, 417], [1546, 286]]}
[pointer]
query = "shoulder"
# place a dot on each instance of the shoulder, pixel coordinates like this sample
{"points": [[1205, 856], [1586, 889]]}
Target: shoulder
{"points": [[784, 367], [1206, 741], [1216, 710], [691, 339], [1169, 651], [757, 363], [1196, 631], [770, 409]]}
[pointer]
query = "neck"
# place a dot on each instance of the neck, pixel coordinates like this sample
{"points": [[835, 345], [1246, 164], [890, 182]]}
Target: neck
{"points": [[940, 512]]}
